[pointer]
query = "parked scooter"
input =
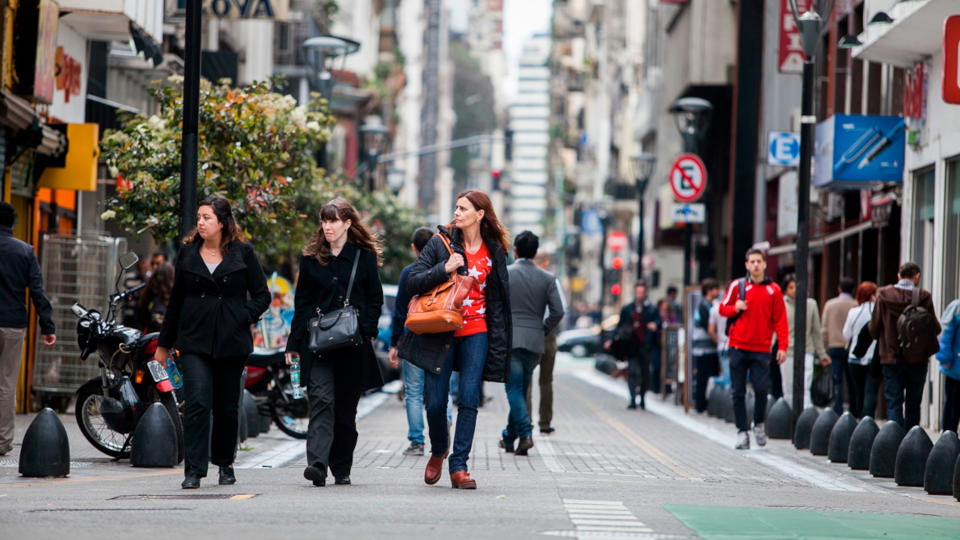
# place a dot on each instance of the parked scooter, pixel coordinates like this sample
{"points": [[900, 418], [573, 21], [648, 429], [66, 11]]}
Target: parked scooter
{"points": [[109, 406], [268, 379]]}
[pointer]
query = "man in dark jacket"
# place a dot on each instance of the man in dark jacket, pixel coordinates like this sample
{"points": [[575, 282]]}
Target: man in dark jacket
{"points": [[635, 335], [902, 381], [19, 271]]}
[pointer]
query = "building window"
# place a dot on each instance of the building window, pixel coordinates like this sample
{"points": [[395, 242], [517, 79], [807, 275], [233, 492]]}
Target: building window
{"points": [[951, 241], [924, 194]]}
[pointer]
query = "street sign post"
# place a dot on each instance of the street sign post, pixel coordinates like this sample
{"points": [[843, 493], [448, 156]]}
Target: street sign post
{"points": [[783, 149], [688, 178], [689, 213]]}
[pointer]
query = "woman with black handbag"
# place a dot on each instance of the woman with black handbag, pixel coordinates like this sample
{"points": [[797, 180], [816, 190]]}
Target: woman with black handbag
{"points": [[219, 291], [336, 309]]}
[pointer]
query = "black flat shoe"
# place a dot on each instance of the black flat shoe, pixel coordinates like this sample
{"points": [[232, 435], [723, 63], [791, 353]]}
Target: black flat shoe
{"points": [[316, 475], [341, 480], [507, 446], [190, 481], [227, 478]]}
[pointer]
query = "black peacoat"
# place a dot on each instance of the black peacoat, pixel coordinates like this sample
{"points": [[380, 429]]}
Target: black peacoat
{"points": [[324, 287], [210, 315], [429, 351]]}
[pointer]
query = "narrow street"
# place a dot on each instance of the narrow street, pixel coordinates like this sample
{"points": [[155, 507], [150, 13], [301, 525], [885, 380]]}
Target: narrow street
{"points": [[607, 472]]}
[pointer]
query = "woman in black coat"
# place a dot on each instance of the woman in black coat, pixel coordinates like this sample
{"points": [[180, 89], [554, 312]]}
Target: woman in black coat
{"points": [[481, 350], [336, 379], [219, 291]]}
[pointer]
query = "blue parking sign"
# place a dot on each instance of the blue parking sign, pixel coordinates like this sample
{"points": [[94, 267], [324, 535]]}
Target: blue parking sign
{"points": [[783, 149]]}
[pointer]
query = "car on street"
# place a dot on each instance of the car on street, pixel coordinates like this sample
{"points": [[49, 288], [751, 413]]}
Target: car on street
{"points": [[381, 345], [587, 341]]}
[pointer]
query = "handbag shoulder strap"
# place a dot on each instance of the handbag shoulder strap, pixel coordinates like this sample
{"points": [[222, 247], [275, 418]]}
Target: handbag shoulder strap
{"points": [[446, 244], [915, 301], [353, 274]]}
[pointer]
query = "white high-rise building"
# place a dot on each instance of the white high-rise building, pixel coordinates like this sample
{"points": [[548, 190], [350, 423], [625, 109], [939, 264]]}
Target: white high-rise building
{"points": [[529, 120]]}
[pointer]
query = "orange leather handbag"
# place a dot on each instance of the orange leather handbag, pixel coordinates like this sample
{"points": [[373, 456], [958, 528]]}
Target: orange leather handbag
{"points": [[439, 310]]}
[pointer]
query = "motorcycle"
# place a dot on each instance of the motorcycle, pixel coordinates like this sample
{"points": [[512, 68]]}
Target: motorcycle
{"points": [[109, 407], [268, 379]]}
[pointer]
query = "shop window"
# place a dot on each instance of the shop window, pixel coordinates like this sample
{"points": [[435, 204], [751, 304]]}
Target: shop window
{"points": [[951, 240], [923, 209]]}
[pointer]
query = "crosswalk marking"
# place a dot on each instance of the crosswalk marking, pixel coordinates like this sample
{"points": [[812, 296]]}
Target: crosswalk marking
{"points": [[603, 519]]}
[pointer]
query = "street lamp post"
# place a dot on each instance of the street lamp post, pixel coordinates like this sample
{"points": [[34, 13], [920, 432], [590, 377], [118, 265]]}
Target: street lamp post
{"points": [[810, 24], [642, 167], [692, 116], [373, 134], [321, 53], [191, 119]]}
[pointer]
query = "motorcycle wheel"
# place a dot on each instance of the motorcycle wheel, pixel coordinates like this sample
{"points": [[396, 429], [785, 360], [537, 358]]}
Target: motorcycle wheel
{"points": [[292, 417], [92, 424]]}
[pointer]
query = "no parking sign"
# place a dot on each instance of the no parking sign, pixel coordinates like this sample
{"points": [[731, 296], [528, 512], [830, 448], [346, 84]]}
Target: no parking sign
{"points": [[688, 178]]}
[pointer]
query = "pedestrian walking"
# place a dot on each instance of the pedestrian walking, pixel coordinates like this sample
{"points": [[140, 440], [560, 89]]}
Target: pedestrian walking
{"points": [[533, 291], [19, 272], [152, 304], [864, 368], [948, 355], [904, 370], [755, 309], [412, 375], [635, 337], [814, 350], [481, 349], [718, 332], [834, 316], [338, 268], [706, 361], [547, 359], [219, 291]]}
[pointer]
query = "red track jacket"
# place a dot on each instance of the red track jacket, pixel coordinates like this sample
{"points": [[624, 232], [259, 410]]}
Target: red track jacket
{"points": [[765, 314]]}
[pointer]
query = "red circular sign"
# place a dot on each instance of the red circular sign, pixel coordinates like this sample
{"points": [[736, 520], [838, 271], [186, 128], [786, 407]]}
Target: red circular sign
{"points": [[688, 178], [617, 240]]}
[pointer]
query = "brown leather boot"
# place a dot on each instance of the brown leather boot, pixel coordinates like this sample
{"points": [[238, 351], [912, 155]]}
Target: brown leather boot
{"points": [[462, 480], [434, 469]]}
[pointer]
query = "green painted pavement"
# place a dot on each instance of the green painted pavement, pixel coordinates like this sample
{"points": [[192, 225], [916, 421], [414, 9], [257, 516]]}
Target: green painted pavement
{"points": [[735, 522]]}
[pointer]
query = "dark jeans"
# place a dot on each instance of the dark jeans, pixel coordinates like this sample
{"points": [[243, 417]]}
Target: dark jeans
{"points": [[522, 364], [210, 385], [638, 373], [705, 366], [867, 385], [903, 389], [332, 431], [471, 355], [758, 364], [951, 404], [776, 377], [838, 368]]}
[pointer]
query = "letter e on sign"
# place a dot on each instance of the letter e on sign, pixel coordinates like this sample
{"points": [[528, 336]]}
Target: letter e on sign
{"points": [[951, 59]]}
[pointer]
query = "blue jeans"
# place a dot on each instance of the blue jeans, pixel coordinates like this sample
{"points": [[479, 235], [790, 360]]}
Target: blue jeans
{"points": [[758, 364], [471, 355], [413, 400], [839, 358], [522, 364], [903, 390]]}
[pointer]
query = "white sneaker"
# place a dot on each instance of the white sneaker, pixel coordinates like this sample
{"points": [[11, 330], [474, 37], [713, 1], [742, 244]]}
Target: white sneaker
{"points": [[743, 441], [760, 434]]}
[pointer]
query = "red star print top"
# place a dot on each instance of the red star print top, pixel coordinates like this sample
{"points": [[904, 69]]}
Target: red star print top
{"points": [[474, 309]]}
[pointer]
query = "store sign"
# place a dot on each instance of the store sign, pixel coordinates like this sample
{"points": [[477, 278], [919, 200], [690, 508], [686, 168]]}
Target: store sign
{"points": [[242, 9], [791, 55], [951, 60], [854, 149], [914, 92], [69, 73], [35, 46]]}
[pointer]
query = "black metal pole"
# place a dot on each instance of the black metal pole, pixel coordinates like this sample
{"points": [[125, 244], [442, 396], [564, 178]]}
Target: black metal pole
{"points": [[807, 125], [641, 187], [690, 146], [603, 268], [191, 115]]}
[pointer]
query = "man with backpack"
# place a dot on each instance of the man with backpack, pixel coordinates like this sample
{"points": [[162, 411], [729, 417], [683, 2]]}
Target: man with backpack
{"points": [[755, 311], [906, 328]]}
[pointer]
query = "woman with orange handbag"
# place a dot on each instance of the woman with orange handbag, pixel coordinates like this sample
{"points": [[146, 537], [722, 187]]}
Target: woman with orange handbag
{"points": [[481, 349]]}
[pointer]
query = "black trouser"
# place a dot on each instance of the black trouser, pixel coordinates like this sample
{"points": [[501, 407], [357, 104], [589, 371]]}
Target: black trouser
{"points": [[951, 404], [705, 366], [866, 383], [332, 431], [758, 364], [210, 385], [903, 389], [638, 373], [776, 377]]}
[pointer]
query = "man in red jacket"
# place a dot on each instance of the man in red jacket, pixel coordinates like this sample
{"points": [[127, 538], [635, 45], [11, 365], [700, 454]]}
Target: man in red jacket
{"points": [[752, 321]]}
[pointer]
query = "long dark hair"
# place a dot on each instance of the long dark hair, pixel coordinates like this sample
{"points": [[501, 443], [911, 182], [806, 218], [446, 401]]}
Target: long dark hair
{"points": [[158, 286], [490, 226], [357, 234], [231, 231]]}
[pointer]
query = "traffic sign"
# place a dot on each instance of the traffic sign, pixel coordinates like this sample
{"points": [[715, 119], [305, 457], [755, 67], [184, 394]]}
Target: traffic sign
{"points": [[617, 240], [689, 213], [688, 178], [783, 149]]}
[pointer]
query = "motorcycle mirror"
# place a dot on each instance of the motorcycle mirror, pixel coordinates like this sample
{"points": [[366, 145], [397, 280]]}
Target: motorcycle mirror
{"points": [[128, 259]]}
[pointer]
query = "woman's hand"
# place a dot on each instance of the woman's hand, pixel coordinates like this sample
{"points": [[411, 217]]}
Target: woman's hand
{"points": [[290, 356], [161, 355], [453, 263]]}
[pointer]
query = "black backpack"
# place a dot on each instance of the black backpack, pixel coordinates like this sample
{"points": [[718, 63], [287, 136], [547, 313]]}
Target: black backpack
{"points": [[916, 332], [742, 292]]}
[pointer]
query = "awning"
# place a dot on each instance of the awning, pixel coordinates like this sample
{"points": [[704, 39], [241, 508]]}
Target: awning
{"points": [[916, 33], [823, 240], [15, 112]]}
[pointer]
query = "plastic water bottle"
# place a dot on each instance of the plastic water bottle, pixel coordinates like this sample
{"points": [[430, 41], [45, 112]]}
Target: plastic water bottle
{"points": [[295, 379]]}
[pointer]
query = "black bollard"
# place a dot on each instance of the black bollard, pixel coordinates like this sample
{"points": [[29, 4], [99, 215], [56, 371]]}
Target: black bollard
{"points": [[956, 479], [253, 416], [605, 364], [727, 406], [770, 401], [839, 445], [820, 434], [154, 442], [750, 403], [938, 472], [801, 432], [713, 401], [858, 453], [883, 453], [266, 422], [242, 429], [780, 420], [45, 450], [912, 457]]}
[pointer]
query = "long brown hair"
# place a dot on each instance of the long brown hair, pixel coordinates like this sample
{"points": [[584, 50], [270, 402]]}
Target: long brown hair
{"points": [[231, 231], [158, 286], [490, 226], [357, 234]]}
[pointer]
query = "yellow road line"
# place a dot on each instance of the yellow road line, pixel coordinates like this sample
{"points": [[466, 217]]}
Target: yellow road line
{"points": [[90, 479], [242, 497], [637, 440]]}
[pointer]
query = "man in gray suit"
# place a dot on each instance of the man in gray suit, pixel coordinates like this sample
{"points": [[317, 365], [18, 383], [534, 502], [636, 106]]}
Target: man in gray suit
{"points": [[532, 290]]}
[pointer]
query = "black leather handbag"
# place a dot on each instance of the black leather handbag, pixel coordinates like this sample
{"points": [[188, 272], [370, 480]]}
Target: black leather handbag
{"points": [[338, 328]]}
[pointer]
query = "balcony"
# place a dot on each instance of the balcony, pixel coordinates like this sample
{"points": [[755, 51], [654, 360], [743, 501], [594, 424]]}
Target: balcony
{"points": [[915, 34], [109, 20]]}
